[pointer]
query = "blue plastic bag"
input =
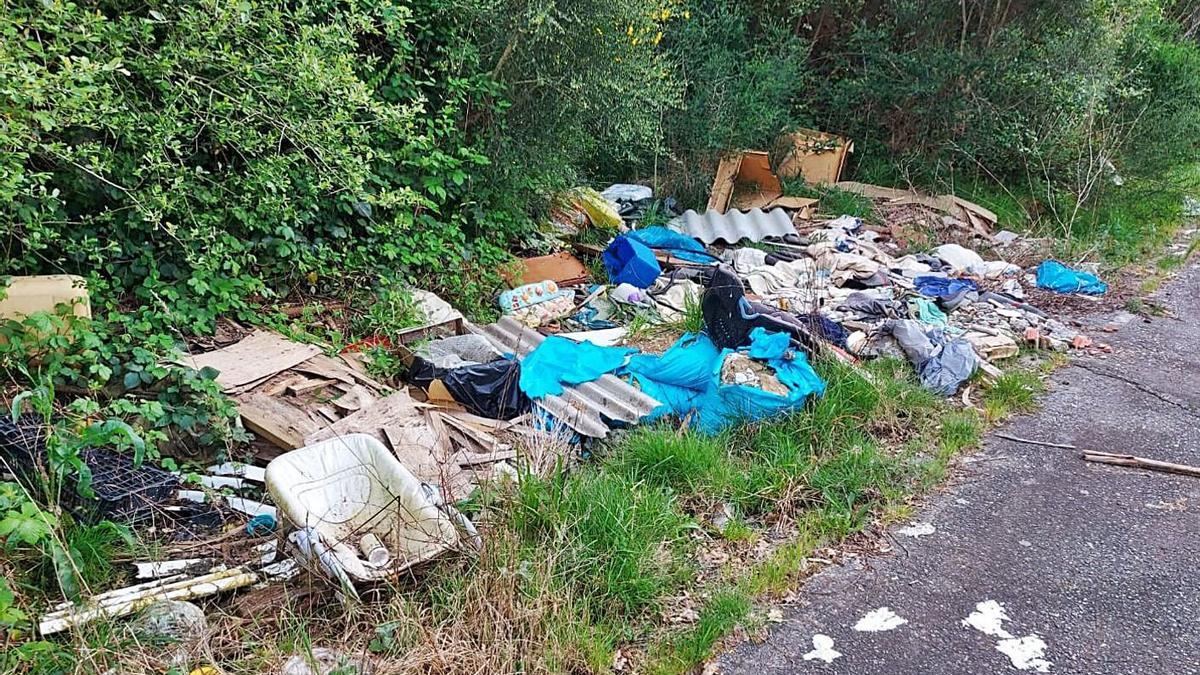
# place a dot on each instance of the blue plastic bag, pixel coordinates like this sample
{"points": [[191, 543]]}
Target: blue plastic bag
{"points": [[1059, 278], [628, 261]]}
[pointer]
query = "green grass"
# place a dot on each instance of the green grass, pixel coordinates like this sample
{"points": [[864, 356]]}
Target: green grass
{"points": [[1013, 392], [578, 565]]}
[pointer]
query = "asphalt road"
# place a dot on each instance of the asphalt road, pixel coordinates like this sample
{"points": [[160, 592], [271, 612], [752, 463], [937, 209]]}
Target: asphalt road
{"points": [[1097, 568]]}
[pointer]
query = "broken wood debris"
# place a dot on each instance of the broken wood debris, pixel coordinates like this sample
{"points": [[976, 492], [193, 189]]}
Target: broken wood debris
{"points": [[1139, 462]]}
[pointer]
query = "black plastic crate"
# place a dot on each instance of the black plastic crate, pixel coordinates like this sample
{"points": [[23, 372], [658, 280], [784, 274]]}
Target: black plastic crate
{"points": [[123, 492]]}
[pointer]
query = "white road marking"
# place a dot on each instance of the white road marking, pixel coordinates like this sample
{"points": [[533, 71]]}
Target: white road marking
{"points": [[879, 620], [822, 649]]}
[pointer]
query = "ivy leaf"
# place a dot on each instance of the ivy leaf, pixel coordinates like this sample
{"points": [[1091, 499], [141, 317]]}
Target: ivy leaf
{"points": [[132, 380], [29, 525]]}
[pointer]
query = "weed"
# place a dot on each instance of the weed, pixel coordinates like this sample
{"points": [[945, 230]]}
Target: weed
{"points": [[1014, 391], [723, 611], [959, 431]]}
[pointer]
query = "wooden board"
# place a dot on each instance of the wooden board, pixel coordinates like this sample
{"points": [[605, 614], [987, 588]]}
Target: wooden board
{"points": [[337, 369], [562, 268], [277, 421], [256, 357], [389, 411]]}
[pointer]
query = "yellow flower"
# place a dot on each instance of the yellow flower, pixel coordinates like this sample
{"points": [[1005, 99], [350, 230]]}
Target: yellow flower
{"points": [[666, 14], [687, 14], [658, 37], [629, 31]]}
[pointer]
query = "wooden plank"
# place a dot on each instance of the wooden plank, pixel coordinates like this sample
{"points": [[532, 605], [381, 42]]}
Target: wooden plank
{"points": [[327, 367], [282, 384], [277, 421], [723, 183], [256, 357], [357, 397], [304, 384], [464, 458], [388, 411]]}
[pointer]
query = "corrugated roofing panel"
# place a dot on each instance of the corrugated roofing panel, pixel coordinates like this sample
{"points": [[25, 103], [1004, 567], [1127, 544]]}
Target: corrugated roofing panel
{"points": [[733, 226], [583, 407]]}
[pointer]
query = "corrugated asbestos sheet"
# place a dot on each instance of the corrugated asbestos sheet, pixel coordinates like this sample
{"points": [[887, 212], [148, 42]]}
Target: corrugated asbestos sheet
{"points": [[733, 226], [583, 407]]}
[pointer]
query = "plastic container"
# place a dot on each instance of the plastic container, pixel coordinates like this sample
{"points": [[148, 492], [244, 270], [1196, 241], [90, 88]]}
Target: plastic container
{"points": [[352, 486], [26, 295]]}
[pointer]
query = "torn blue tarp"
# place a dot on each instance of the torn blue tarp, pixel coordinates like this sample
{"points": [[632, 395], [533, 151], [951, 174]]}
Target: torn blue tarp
{"points": [[943, 287], [679, 245], [687, 380], [628, 261], [1059, 278], [559, 361]]}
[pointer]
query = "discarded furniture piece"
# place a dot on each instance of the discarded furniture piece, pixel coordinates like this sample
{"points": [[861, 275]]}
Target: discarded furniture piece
{"points": [[43, 293], [586, 408], [356, 513], [746, 180]]}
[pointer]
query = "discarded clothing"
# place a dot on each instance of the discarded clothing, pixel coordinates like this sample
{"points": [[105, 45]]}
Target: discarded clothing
{"points": [[673, 296], [629, 261], [767, 280], [687, 379], [678, 245], [1057, 277], [943, 287], [928, 313], [744, 260], [870, 304], [826, 329], [559, 361]]}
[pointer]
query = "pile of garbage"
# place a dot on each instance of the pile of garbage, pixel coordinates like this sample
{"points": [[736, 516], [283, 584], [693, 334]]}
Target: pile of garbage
{"points": [[363, 477]]}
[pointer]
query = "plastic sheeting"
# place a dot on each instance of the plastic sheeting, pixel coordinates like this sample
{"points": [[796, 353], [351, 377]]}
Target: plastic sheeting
{"points": [[1059, 278], [687, 379], [943, 364], [679, 245], [559, 361]]}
